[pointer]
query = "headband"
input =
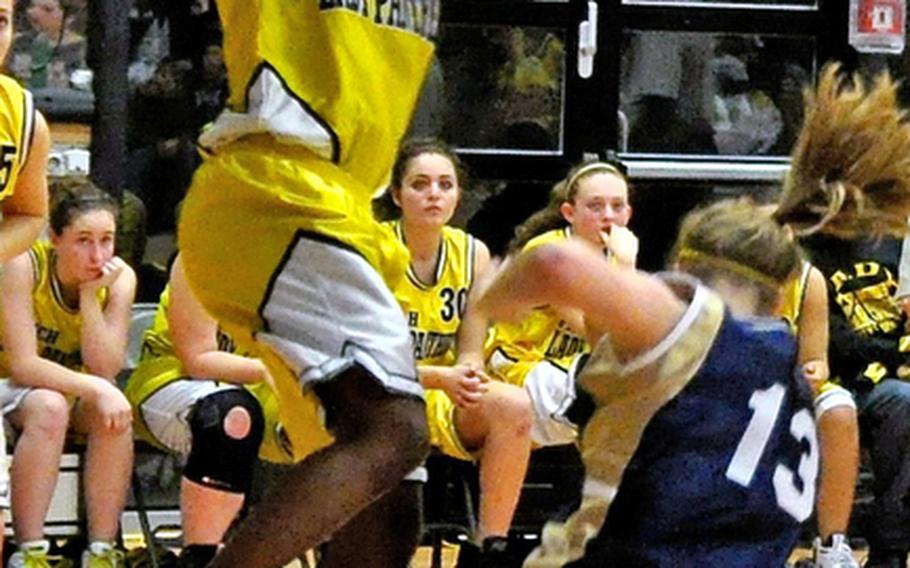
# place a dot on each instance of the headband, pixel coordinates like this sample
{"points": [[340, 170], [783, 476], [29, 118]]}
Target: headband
{"points": [[692, 255], [591, 168]]}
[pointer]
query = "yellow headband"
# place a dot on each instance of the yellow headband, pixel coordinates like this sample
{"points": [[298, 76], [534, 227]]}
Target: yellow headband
{"points": [[692, 255], [590, 168]]}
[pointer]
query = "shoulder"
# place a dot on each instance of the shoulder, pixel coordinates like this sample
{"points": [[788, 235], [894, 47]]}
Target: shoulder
{"points": [[552, 236]]}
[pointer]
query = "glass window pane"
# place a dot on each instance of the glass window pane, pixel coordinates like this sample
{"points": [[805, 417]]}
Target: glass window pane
{"points": [[754, 4], [502, 87], [708, 94], [48, 56]]}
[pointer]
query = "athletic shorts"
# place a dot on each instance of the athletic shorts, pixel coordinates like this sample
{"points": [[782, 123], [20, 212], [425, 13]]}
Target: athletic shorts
{"points": [[441, 423], [165, 414], [282, 255]]}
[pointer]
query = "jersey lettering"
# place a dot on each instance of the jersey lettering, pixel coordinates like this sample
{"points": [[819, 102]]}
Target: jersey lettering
{"points": [[766, 405]]}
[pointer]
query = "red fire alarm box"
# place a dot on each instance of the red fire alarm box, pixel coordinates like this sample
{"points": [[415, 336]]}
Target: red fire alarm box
{"points": [[877, 26]]}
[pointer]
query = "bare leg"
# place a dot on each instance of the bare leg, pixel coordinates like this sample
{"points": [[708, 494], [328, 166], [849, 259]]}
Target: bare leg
{"points": [[108, 466], [500, 427], [839, 441], [42, 419], [379, 439], [384, 535]]}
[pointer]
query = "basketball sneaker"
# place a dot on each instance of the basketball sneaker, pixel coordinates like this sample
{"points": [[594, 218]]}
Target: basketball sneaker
{"points": [[31, 555], [835, 553], [103, 555]]}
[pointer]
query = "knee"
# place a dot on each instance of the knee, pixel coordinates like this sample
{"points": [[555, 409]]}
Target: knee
{"points": [[46, 412], [227, 429], [510, 408]]}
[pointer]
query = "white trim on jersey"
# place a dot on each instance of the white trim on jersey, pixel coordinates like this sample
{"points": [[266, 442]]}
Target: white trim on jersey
{"points": [[271, 109]]}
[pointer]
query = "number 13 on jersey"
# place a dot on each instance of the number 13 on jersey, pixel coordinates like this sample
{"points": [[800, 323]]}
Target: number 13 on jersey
{"points": [[766, 405]]}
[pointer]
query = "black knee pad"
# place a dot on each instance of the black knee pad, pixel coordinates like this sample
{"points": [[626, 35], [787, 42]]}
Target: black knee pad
{"points": [[217, 460]]}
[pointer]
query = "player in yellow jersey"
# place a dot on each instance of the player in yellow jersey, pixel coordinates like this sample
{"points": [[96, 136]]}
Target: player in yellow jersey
{"points": [[186, 400], [65, 316], [469, 416], [24, 145], [590, 205], [805, 306], [280, 246]]}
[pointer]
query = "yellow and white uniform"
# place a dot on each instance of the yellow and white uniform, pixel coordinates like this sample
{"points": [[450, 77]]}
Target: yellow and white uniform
{"points": [[17, 128], [58, 330], [830, 395], [163, 396], [277, 233], [434, 311], [58, 326], [514, 349]]}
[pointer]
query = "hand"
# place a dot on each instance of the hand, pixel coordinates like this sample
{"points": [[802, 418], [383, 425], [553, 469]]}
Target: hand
{"points": [[622, 244], [816, 373], [111, 270], [465, 385], [112, 409]]}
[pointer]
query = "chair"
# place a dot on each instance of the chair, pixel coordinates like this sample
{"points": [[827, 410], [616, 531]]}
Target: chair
{"points": [[143, 315], [448, 503]]}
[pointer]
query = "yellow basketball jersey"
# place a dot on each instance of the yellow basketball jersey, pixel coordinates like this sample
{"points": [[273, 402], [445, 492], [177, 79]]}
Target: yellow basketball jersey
{"points": [[338, 77], [434, 309], [17, 125], [542, 335], [794, 294], [58, 327]]}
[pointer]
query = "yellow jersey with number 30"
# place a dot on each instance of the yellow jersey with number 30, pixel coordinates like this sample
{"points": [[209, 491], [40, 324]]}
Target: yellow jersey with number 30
{"points": [[434, 309]]}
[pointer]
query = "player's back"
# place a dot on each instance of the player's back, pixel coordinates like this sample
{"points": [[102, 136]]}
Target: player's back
{"points": [[725, 472]]}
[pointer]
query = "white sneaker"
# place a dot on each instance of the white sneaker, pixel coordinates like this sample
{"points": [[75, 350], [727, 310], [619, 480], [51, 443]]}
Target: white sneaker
{"points": [[102, 555], [31, 555], [838, 555]]}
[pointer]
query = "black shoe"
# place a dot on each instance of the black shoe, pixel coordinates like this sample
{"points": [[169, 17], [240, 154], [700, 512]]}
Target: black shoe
{"points": [[197, 555], [495, 553], [886, 559]]}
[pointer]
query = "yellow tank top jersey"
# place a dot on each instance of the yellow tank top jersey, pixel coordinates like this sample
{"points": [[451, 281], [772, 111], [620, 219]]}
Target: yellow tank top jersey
{"points": [[514, 348], [159, 366], [794, 294], [17, 126], [321, 92], [339, 77], [790, 310], [58, 326], [434, 312]]}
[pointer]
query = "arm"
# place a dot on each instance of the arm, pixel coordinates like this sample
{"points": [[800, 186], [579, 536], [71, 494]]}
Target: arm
{"points": [[473, 328], [195, 338], [636, 310], [25, 211], [21, 344], [104, 333], [813, 330]]}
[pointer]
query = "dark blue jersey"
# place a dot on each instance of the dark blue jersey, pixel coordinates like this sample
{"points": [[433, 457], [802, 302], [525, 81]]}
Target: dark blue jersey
{"points": [[705, 455], [725, 472]]}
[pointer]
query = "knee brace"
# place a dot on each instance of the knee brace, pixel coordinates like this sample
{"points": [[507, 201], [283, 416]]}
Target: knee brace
{"points": [[216, 459]]}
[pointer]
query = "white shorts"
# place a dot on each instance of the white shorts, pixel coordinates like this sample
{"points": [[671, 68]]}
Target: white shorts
{"points": [[328, 310], [11, 395], [166, 411], [552, 392]]}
